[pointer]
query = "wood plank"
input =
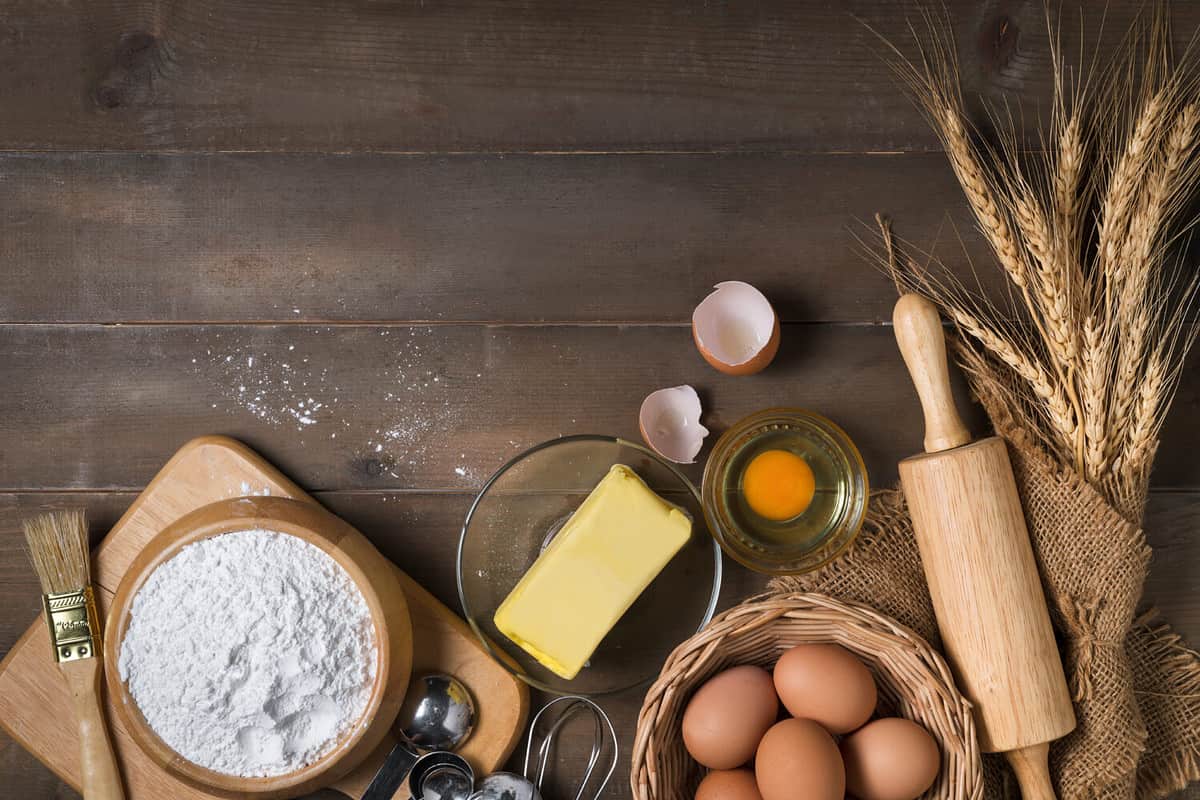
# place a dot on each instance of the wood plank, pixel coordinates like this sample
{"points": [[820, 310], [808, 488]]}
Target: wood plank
{"points": [[485, 75], [393, 520], [121, 238], [431, 407], [25, 777], [1172, 522]]}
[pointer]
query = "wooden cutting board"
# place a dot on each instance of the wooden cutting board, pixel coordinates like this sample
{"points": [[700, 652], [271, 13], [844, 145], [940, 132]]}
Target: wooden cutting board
{"points": [[35, 709]]}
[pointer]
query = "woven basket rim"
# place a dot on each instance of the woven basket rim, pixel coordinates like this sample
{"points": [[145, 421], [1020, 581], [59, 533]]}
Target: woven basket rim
{"points": [[910, 674]]}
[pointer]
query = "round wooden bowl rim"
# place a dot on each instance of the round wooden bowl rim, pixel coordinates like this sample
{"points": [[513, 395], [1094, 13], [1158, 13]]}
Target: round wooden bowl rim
{"points": [[918, 680], [393, 669]]}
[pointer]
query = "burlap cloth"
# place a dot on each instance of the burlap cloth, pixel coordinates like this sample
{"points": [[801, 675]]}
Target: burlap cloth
{"points": [[1136, 685]]}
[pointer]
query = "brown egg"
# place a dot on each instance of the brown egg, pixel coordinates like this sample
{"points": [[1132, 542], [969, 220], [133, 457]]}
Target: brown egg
{"points": [[728, 715], [798, 759], [827, 684], [890, 759], [728, 784], [736, 329]]}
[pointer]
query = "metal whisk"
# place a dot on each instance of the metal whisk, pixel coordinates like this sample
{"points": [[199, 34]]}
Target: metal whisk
{"points": [[555, 714], [574, 705]]}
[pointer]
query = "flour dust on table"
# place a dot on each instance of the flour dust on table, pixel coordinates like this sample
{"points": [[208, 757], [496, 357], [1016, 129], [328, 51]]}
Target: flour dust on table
{"points": [[288, 384], [250, 653]]}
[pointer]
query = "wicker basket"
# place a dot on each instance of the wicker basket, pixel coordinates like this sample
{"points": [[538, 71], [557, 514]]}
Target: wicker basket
{"points": [[913, 682]]}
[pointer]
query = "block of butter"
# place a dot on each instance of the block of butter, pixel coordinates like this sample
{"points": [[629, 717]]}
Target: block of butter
{"points": [[605, 556]]}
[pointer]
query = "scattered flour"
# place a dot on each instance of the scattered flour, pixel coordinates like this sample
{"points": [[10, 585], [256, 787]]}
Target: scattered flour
{"points": [[283, 385], [250, 653]]}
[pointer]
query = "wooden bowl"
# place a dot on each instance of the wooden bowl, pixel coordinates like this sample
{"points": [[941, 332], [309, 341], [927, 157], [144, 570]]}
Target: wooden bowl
{"points": [[371, 573]]}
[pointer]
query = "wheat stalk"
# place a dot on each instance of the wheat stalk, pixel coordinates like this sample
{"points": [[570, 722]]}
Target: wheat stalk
{"points": [[1066, 224], [1092, 359], [1095, 415], [1145, 226], [1131, 470], [1058, 407], [1146, 420], [1005, 399], [1122, 191], [1067, 173], [1130, 359], [1137, 297], [993, 221], [1051, 284]]}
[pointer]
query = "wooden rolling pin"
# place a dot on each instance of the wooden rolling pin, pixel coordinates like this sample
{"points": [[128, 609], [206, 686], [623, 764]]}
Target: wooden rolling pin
{"points": [[980, 568]]}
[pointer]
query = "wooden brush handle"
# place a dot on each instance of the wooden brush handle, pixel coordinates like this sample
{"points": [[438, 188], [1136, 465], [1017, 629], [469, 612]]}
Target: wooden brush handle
{"points": [[923, 345], [99, 777]]}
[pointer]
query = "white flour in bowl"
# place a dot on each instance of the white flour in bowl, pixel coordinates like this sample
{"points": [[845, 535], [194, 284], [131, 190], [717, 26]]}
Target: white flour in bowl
{"points": [[250, 653]]}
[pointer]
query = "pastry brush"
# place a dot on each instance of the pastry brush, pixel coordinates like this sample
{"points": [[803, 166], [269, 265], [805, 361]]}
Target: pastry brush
{"points": [[58, 547]]}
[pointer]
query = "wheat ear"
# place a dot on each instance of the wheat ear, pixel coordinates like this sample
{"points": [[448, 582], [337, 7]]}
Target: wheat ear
{"points": [[1122, 194], [1157, 198], [1051, 284], [1094, 385], [1146, 419], [1058, 408], [991, 218]]}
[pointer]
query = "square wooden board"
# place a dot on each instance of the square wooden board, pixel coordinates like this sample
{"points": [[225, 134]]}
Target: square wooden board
{"points": [[35, 709]]}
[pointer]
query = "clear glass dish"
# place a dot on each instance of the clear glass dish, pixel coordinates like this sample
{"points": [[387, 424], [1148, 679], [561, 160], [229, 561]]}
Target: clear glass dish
{"points": [[811, 539], [517, 513]]}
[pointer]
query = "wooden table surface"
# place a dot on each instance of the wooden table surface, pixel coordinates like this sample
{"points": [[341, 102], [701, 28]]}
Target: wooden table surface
{"points": [[389, 244]]}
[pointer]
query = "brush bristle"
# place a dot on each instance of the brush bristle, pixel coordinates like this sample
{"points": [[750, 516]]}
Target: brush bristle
{"points": [[58, 547]]}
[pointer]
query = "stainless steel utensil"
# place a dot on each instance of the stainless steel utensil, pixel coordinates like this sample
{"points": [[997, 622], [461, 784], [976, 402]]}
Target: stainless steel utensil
{"points": [[438, 713], [441, 776], [507, 786], [437, 716]]}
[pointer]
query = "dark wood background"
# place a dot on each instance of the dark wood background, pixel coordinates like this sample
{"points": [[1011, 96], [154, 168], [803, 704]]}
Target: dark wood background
{"points": [[462, 228]]}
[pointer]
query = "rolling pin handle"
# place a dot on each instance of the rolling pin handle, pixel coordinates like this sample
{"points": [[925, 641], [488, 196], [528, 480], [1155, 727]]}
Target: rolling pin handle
{"points": [[1032, 767], [919, 333]]}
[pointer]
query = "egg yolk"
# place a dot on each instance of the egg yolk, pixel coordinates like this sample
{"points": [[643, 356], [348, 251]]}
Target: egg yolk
{"points": [[778, 485]]}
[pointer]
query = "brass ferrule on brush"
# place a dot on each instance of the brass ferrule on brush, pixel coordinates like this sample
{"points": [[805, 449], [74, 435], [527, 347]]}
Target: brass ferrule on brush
{"points": [[74, 624]]}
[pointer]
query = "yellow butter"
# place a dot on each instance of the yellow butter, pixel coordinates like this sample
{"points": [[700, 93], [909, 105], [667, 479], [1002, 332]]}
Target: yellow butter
{"points": [[605, 556]]}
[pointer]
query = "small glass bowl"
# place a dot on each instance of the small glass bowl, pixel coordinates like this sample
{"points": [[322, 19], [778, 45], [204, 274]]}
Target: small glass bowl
{"points": [[813, 538], [518, 512]]}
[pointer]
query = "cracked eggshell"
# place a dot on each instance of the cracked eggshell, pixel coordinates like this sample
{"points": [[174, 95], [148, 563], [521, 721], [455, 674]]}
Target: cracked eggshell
{"points": [[670, 423], [736, 329]]}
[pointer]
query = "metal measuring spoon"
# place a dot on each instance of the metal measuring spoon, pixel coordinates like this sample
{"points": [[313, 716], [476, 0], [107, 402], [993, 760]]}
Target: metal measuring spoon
{"points": [[506, 786], [441, 776], [437, 716]]}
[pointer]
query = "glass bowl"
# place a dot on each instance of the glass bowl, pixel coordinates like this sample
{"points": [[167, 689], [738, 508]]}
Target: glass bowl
{"points": [[516, 515], [814, 537]]}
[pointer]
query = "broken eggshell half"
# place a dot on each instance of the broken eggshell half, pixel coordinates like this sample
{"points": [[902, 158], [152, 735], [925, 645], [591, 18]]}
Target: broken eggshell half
{"points": [[670, 423], [736, 329]]}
